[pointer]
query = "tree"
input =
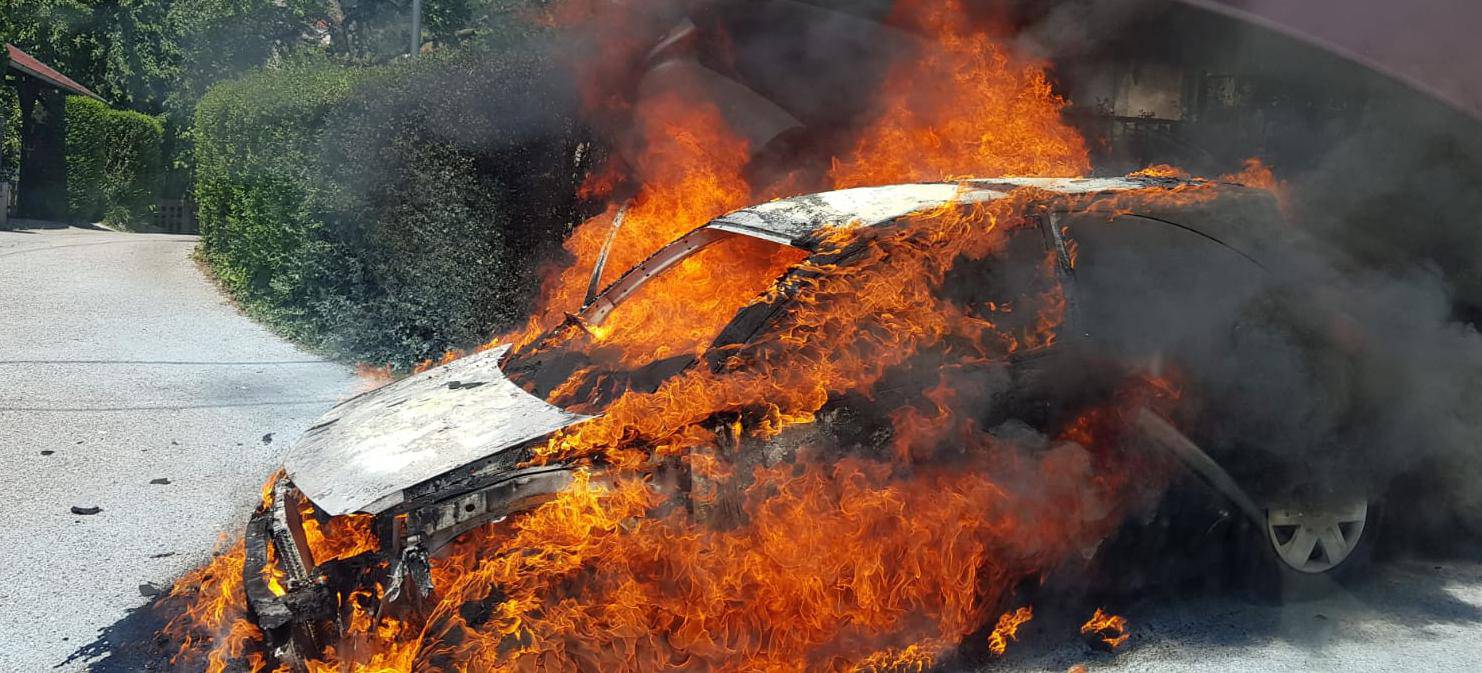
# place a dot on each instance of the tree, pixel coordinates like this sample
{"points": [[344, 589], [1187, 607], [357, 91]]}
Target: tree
{"points": [[220, 39], [124, 50], [160, 56]]}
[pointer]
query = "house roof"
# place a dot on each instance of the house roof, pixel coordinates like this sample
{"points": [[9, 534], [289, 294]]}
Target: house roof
{"points": [[27, 64]]}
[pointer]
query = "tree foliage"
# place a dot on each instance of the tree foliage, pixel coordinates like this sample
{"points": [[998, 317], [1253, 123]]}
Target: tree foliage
{"points": [[221, 39], [160, 56], [124, 50]]}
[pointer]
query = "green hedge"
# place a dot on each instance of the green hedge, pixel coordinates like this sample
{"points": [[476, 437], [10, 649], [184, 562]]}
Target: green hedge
{"points": [[10, 128], [114, 163], [385, 214]]}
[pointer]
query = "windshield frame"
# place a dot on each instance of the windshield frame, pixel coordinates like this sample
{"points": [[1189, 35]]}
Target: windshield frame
{"points": [[681, 249]]}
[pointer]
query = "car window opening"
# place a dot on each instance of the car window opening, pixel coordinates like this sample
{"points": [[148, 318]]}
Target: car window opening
{"points": [[652, 322]]}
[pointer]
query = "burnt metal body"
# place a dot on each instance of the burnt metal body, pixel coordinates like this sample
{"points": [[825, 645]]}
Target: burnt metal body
{"points": [[443, 452], [366, 452]]}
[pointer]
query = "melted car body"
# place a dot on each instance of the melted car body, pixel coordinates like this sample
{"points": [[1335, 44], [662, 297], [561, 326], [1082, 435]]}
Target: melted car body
{"points": [[439, 453]]}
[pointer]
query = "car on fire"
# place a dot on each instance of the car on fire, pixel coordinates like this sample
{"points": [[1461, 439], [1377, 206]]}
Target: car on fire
{"points": [[433, 456]]}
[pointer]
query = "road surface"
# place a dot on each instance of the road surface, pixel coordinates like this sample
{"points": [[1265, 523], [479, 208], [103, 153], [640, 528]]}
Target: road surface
{"points": [[1411, 616], [120, 365]]}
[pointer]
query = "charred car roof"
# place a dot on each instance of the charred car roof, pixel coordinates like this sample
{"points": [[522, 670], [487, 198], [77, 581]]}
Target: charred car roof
{"points": [[794, 221]]}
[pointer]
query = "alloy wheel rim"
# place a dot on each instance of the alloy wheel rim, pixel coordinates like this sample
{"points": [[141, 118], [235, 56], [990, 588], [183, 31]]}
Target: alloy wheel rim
{"points": [[1316, 540]]}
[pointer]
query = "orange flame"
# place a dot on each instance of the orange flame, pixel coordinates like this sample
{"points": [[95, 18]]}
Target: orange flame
{"points": [[850, 565], [831, 562], [964, 108], [1255, 173], [1160, 171], [914, 657], [210, 615], [692, 164], [1110, 630], [1008, 629], [274, 575], [595, 580], [855, 562], [340, 537]]}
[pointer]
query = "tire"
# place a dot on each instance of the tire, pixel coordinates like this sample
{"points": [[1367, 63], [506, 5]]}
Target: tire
{"points": [[1303, 554]]}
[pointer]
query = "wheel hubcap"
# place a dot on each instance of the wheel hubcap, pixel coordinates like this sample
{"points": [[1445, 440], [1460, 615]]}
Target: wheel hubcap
{"points": [[1315, 540]]}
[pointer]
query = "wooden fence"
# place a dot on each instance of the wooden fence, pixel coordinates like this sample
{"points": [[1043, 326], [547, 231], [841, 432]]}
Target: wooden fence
{"points": [[176, 216]]}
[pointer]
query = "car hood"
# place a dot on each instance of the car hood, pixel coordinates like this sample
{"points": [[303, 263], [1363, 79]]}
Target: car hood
{"points": [[361, 454]]}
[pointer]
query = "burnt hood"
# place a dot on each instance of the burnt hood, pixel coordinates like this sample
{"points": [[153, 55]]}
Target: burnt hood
{"points": [[360, 455]]}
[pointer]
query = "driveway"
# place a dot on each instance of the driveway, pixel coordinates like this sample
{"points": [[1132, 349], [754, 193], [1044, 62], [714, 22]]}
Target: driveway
{"points": [[129, 384]]}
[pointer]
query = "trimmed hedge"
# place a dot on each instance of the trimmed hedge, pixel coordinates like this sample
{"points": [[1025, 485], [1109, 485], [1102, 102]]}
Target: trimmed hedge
{"points": [[10, 123], [386, 214], [115, 163], [255, 141]]}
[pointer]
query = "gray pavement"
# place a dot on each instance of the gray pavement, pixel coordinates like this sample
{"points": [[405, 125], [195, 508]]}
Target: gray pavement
{"points": [[119, 359], [1411, 616]]}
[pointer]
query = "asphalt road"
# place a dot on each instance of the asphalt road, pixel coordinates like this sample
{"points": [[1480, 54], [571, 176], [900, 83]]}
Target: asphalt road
{"points": [[1408, 616], [120, 364]]}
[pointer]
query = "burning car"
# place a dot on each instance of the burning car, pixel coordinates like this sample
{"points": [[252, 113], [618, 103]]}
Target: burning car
{"points": [[1090, 279]]}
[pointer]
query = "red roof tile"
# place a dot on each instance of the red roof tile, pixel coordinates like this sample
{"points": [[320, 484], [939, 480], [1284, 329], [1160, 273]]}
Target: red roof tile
{"points": [[25, 63]]}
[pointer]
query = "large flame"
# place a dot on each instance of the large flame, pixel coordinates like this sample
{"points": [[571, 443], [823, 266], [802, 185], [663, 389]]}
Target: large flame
{"points": [[837, 559], [965, 108], [692, 163], [211, 624]]}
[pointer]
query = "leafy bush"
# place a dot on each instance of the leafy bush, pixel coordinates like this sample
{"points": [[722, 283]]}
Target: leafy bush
{"points": [[255, 146], [388, 213], [114, 162]]}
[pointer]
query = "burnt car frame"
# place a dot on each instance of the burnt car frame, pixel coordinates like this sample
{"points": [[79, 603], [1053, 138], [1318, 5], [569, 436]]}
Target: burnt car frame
{"points": [[445, 451]]}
